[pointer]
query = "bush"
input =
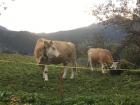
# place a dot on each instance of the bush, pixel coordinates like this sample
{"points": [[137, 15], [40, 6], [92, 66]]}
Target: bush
{"points": [[124, 64]]}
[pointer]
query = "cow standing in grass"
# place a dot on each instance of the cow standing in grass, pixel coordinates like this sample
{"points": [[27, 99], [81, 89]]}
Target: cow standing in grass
{"points": [[55, 52], [102, 57]]}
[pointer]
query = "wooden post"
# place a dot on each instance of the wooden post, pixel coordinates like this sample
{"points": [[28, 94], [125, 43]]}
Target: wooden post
{"points": [[61, 87]]}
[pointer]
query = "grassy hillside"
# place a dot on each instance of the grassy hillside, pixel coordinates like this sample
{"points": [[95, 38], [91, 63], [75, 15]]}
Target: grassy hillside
{"points": [[22, 84]]}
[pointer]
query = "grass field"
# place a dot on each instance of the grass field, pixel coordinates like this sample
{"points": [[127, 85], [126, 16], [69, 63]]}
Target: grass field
{"points": [[22, 84]]}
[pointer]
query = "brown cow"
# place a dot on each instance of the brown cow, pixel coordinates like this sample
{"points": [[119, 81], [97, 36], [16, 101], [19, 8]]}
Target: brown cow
{"points": [[55, 52], [100, 56]]}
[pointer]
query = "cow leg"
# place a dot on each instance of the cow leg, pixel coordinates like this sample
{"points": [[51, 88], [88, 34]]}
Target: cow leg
{"points": [[64, 73], [103, 68], [90, 61], [91, 66], [106, 68], [74, 70], [45, 73]]}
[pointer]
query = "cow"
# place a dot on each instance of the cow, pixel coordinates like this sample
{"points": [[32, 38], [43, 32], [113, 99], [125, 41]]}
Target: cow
{"points": [[55, 52], [102, 57]]}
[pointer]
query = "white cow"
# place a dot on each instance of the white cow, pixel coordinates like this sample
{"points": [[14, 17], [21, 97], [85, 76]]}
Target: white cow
{"points": [[55, 52]]}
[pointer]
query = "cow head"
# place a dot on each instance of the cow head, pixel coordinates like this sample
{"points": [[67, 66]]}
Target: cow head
{"points": [[114, 65], [51, 49]]}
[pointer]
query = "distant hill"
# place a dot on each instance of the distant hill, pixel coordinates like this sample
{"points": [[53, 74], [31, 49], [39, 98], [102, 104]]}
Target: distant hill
{"points": [[112, 33], [111, 29], [23, 42], [3, 28], [17, 42]]}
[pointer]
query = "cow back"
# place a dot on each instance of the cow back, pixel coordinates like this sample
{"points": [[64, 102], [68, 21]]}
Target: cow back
{"points": [[100, 55]]}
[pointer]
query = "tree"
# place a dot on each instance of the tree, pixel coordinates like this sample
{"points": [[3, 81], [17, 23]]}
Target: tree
{"points": [[116, 7], [122, 8], [3, 5], [130, 46]]}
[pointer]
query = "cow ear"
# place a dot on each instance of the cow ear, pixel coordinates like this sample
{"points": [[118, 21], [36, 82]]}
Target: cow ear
{"points": [[46, 44]]}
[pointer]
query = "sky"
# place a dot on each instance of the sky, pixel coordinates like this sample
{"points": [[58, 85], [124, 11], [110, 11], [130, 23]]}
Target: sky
{"points": [[47, 15]]}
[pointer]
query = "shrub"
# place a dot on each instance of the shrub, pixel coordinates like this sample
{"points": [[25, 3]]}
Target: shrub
{"points": [[124, 64]]}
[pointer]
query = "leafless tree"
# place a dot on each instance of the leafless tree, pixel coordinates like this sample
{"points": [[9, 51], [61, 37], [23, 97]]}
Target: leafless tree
{"points": [[116, 7], [4, 5]]}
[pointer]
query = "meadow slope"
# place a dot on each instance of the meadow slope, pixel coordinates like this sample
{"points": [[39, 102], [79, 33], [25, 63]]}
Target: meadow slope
{"points": [[22, 84]]}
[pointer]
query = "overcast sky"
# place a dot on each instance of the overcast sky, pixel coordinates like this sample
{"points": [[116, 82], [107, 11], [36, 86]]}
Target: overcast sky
{"points": [[47, 15]]}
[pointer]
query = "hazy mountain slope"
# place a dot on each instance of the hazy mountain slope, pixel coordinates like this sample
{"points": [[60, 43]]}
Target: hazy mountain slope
{"points": [[113, 30], [24, 42], [3, 28], [19, 42]]}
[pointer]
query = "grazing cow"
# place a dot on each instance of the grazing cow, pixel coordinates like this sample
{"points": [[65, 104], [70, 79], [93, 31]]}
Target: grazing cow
{"points": [[100, 56], [55, 52]]}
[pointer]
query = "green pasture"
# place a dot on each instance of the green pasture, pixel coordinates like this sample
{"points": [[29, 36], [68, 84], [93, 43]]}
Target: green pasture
{"points": [[22, 84]]}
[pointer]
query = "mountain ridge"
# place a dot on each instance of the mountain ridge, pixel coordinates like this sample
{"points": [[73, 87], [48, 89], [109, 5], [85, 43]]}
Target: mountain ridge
{"points": [[23, 41]]}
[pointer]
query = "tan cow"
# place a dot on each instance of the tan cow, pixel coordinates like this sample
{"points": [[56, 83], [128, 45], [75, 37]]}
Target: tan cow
{"points": [[100, 56], [55, 52]]}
